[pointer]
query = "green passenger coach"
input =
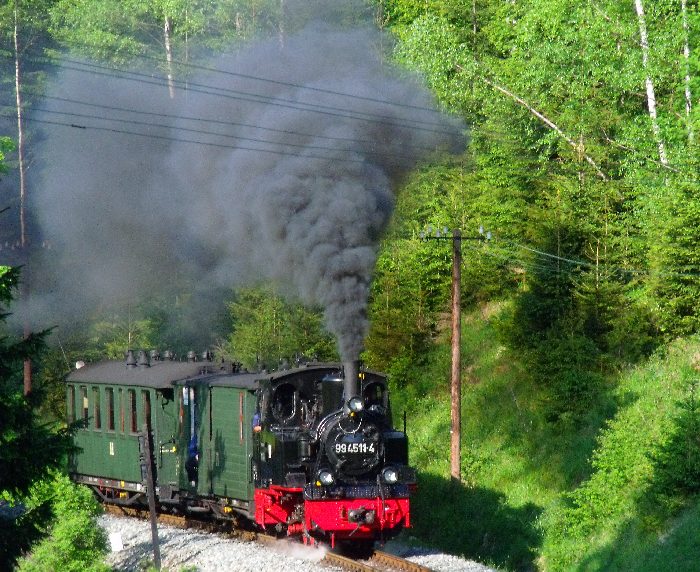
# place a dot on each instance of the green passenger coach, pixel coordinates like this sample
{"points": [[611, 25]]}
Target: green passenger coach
{"points": [[199, 413]]}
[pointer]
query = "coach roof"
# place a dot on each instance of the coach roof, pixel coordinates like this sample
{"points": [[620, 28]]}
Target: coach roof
{"points": [[166, 374], [159, 374]]}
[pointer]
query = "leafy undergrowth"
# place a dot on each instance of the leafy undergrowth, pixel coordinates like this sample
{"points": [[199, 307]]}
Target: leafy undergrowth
{"points": [[572, 495], [636, 510]]}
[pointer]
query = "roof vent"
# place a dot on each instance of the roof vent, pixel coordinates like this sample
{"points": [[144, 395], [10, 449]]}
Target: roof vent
{"points": [[130, 359], [143, 359]]}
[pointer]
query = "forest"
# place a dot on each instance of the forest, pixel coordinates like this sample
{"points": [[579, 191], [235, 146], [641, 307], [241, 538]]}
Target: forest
{"points": [[568, 130]]}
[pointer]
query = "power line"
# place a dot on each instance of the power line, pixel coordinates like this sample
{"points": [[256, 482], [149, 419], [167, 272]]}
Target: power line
{"points": [[214, 121], [510, 256], [218, 134], [181, 140], [278, 82], [606, 267], [105, 71]]}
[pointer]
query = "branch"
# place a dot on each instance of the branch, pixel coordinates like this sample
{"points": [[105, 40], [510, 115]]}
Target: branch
{"points": [[578, 148], [626, 148], [600, 11]]}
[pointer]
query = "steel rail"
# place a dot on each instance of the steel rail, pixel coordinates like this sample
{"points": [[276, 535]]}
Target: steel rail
{"points": [[397, 563]]}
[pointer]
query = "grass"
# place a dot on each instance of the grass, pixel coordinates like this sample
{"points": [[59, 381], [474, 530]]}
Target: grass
{"points": [[537, 495]]}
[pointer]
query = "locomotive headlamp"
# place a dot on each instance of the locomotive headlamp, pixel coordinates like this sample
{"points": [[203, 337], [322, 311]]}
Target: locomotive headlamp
{"points": [[390, 475], [355, 404], [325, 478]]}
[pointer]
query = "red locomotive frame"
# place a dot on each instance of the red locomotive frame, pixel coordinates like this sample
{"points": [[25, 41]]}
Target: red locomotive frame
{"points": [[335, 519]]}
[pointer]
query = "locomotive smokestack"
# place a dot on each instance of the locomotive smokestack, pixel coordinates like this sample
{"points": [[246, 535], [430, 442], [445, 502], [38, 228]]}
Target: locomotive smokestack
{"points": [[351, 371]]}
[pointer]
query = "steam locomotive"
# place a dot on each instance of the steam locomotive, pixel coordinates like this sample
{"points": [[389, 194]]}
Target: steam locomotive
{"points": [[308, 452]]}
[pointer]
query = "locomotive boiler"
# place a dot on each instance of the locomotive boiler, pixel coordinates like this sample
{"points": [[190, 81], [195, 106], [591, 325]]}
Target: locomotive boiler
{"points": [[308, 452]]}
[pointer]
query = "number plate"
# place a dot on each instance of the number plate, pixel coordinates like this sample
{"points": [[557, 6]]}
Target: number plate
{"points": [[361, 448]]}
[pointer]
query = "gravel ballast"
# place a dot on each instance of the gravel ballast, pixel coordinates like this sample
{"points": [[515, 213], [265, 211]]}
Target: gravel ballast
{"points": [[205, 552]]}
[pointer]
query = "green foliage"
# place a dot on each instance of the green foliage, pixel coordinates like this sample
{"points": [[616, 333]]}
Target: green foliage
{"points": [[20, 430], [579, 496], [116, 336], [6, 145], [566, 367], [550, 89], [612, 507], [676, 260], [75, 542], [677, 461], [514, 465], [267, 329], [132, 32], [28, 447]]}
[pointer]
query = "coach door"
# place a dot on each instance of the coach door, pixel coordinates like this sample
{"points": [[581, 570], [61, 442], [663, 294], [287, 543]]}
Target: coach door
{"points": [[231, 438], [192, 437], [166, 447]]}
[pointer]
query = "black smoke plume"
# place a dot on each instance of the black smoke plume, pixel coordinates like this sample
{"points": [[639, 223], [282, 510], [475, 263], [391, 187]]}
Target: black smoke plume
{"points": [[236, 180]]}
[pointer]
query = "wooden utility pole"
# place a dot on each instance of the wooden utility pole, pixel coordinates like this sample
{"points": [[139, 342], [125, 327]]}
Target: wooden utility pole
{"points": [[456, 373], [151, 489], [456, 381]]}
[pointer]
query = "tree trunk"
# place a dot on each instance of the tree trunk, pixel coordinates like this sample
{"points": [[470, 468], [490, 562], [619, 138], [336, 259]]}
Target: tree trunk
{"points": [[23, 236], [167, 30], [20, 137], [686, 55], [281, 30], [651, 96]]}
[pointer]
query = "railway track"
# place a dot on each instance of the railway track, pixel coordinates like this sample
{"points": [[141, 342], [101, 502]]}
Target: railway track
{"points": [[378, 561]]}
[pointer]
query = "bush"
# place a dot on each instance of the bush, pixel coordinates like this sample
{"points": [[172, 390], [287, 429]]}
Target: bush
{"points": [[76, 543], [567, 369], [677, 461]]}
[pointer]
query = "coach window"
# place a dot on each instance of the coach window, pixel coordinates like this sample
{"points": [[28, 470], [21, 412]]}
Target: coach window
{"points": [[71, 404], [96, 400], [132, 410], [146, 398], [86, 409], [121, 410], [110, 408]]}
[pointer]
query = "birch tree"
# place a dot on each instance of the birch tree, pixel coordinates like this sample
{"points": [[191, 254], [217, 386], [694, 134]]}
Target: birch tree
{"points": [[649, 84], [686, 56]]}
